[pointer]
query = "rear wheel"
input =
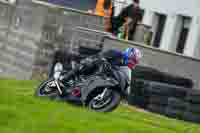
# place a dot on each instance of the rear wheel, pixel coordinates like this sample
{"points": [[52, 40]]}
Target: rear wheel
{"points": [[104, 101]]}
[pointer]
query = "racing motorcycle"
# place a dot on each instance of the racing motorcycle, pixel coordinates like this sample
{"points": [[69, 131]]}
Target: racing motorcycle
{"points": [[101, 91]]}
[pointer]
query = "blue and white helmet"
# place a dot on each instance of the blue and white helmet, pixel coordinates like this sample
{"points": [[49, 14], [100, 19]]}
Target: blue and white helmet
{"points": [[132, 54]]}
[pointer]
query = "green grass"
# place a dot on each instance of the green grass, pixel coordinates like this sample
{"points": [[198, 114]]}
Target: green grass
{"points": [[20, 112]]}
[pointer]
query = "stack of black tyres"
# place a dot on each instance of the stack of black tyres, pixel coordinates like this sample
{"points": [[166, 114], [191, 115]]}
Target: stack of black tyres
{"points": [[173, 99], [139, 96], [175, 108], [192, 112], [158, 98], [161, 96]]}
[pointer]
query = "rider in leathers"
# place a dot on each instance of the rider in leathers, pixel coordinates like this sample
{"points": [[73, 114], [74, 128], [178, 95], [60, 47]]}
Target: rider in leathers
{"points": [[128, 58]]}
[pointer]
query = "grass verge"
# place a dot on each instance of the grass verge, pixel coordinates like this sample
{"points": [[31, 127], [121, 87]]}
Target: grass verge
{"points": [[20, 112]]}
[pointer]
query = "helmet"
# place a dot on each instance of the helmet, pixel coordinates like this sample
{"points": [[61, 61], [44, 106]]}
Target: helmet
{"points": [[136, 1], [132, 57]]}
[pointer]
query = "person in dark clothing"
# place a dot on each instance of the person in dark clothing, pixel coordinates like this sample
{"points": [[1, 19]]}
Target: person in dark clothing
{"points": [[132, 12]]}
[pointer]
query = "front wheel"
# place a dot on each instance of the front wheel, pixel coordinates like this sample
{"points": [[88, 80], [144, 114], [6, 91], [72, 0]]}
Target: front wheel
{"points": [[47, 89], [105, 101]]}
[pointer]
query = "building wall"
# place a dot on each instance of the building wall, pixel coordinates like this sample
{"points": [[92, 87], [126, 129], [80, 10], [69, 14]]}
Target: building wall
{"points": [[31, 32], [182, 7], [77, 4], [174, 10]]}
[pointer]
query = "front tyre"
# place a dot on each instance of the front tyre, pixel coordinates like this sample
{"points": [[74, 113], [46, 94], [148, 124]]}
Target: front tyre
{"points": [[106, 103], [47, 89]]}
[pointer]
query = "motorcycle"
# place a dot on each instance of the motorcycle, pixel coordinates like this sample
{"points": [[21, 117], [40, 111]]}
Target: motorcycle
{"points": [[98, 91]]}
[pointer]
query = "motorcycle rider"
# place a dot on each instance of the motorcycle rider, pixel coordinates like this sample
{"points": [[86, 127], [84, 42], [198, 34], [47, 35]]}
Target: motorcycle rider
{"points": [[128, 58]]}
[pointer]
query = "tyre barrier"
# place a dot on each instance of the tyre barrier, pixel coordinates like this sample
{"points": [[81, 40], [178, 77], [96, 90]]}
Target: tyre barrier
{"points": [[193, 96], [139, 93], [176, 103], [192, 117], [164, 89], [158, 100], [179, 92], [194, 108], [139, 101], [169, 100], [160, 89], [152, 74], [174, 113], [155, 108]]}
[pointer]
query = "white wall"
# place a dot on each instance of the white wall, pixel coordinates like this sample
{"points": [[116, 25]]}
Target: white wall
{"points": [[176, 8], [192, 43], [171, 33], [182, 7]]}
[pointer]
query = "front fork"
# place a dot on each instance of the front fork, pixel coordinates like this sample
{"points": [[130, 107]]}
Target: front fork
{"points": [[58, 86]]}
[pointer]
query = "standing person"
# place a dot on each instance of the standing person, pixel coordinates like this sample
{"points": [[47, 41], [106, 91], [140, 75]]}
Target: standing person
{"points": [[118, 6], [104, 9], [129, 16]]}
